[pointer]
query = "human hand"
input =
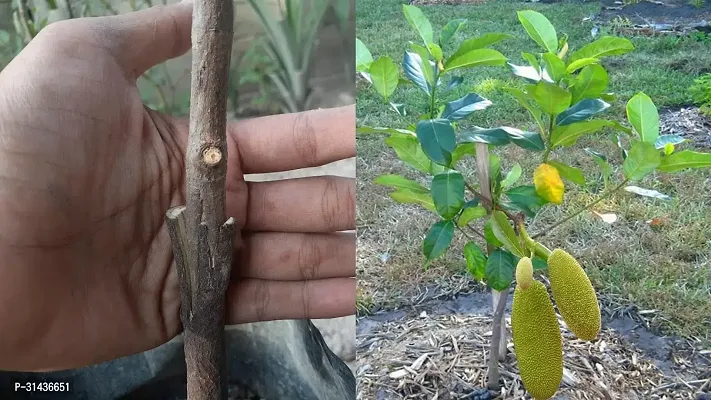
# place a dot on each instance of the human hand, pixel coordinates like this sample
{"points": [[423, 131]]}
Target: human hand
{"points": [[87, 172]]}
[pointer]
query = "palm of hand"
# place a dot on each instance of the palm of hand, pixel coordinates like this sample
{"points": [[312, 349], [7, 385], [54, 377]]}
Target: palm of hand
{"points": [[90, 216], [88, 173]]}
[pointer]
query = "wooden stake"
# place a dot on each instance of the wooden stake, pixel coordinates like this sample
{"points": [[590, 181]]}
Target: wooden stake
{"points": [[498, 299], [203, 240]]}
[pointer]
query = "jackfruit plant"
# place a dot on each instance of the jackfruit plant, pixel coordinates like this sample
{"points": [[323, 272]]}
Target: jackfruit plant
{"points": [[565, 92]]}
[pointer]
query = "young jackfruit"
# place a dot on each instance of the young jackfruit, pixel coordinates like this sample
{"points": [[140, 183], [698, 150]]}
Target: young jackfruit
{"points": [[537, 341], [574, 295], [524, 273]]}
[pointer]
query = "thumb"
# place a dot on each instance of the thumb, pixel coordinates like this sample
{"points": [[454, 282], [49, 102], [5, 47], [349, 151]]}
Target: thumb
{"points": [[142, 39]]}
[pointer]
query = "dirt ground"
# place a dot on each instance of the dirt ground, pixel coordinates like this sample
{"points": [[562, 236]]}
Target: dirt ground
{"points": [[674, 12], [438, 350]]}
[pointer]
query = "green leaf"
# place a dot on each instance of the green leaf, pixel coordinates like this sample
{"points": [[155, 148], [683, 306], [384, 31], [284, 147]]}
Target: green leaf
{"points": [[419, 50], [539, 263], [683, 160], [552, 99], [438, 140], [644, 117], [643, 158], [384, 74], [476, 261], [448, 193], [462, 150], [469, 214], [363, 57], [408, 150], [454, 82], [531, 60], [512, 177], [463, 107], [419, 22], [577, 64], [569, 173], [647, 193], [450, 30], [475, 58], [555, 67], [663, 140], [407, 196], [590, 83], [539, 29], [478, 43], [505, 233], [525, 199], [526, 102], [490, 236], [601, 161], [567, 135], [400, 182], [500, 268], [602, 47], [581, 111], [493, 136], [395, 131], [438, 239], [435, 51], [417, 72], [400, 109], [525, 140]]}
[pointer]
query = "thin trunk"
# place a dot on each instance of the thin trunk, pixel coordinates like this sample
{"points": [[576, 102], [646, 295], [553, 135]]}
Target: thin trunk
{"points": [[202, 237]]}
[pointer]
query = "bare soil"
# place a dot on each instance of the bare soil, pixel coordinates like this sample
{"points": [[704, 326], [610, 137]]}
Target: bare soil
{"points": [[438, 350], [650, 12]]}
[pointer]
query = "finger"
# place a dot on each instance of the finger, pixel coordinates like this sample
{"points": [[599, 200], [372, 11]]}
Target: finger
{"points": [[142, 39], [288, 141], [314, 204], [291, 141], [297, 256], [255, 300]]}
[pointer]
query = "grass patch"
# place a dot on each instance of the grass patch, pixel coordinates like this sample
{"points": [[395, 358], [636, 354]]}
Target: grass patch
{"points": [[663, 265]]}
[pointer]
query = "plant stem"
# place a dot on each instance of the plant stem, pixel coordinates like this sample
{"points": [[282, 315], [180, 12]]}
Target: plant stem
{"points": [[602, 197], [202, 239], [551, 119], [433, 96], [490, 204]]}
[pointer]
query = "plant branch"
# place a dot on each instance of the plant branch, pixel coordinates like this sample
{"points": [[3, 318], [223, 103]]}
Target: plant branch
{"points": [[490, 204], [549, 147], [203, 242], [602, 197]]}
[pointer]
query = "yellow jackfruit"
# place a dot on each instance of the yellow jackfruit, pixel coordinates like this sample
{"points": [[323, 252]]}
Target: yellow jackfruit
{"points": [[537, 341], [524, 273], [574, 295]]}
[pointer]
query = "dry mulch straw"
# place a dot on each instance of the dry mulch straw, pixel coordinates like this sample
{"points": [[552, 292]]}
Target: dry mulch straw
{"points": [[443, 357], [688, 123]]}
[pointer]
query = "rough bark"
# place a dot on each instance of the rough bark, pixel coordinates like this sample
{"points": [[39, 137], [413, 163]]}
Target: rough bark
{"points": [[202, 238]]}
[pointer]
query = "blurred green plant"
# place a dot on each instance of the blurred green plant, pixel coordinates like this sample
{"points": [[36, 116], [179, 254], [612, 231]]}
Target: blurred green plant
{"points": [[251, 72], [700, 93], [697, 3], [290, 43]]}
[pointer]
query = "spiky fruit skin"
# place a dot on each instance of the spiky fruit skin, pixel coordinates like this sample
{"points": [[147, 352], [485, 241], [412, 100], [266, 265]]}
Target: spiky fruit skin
{"points": [[537, 341], [574, 295], [524, 273]]}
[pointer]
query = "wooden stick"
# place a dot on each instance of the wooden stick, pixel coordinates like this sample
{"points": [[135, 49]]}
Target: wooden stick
{"points": [[498, 337], [203, 242]]}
